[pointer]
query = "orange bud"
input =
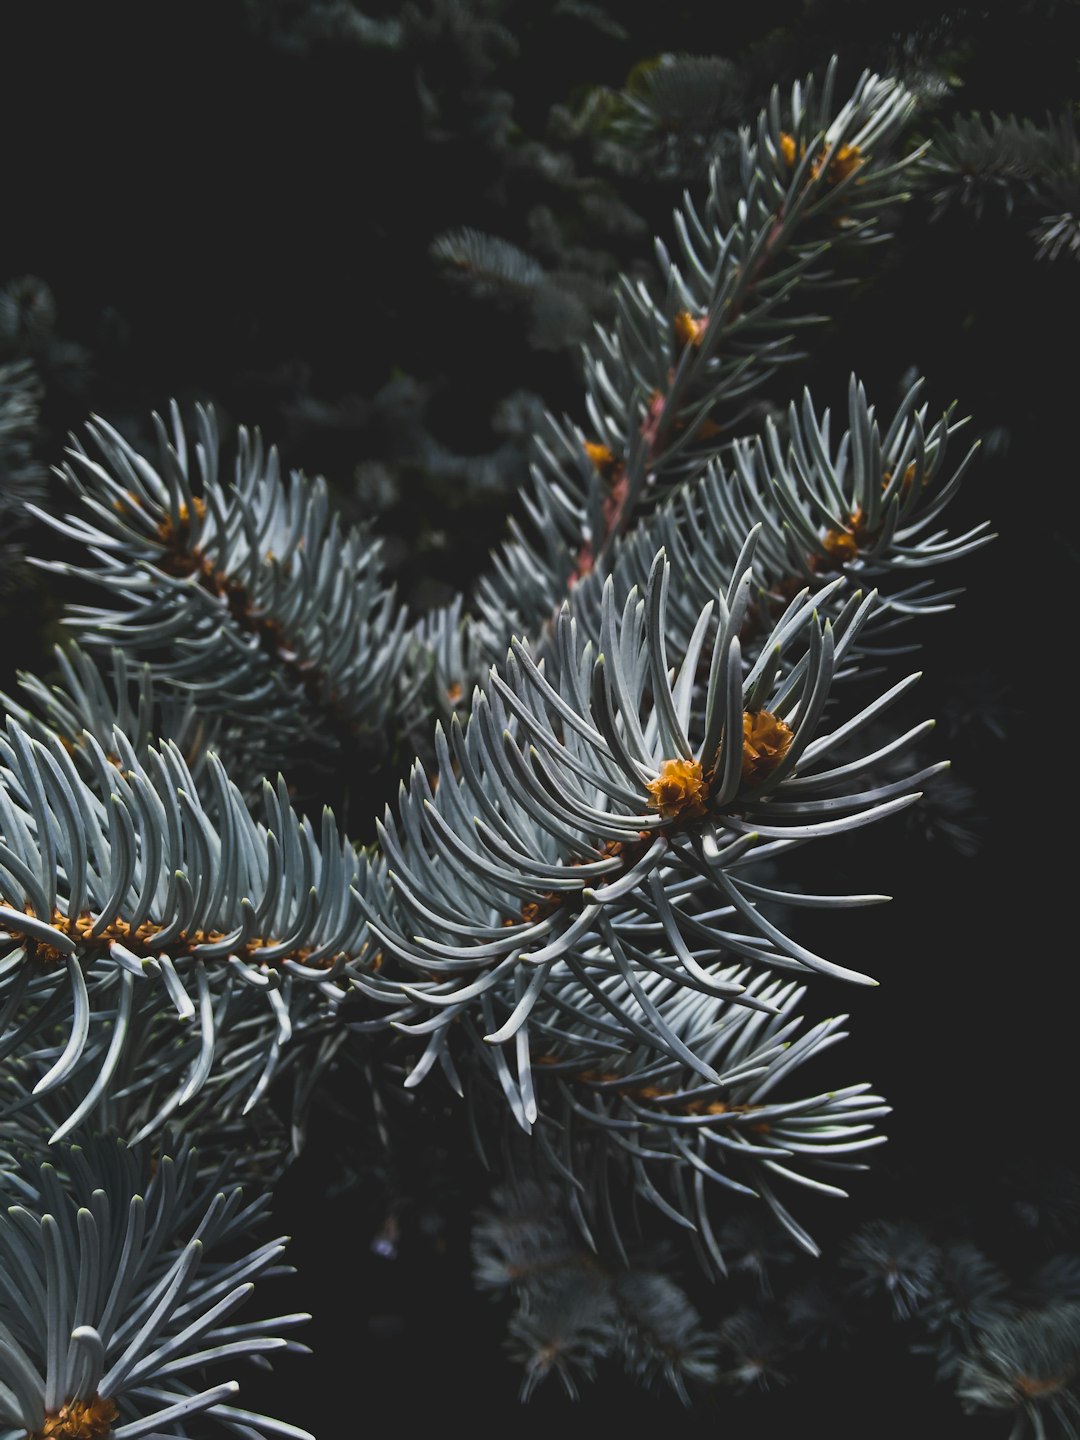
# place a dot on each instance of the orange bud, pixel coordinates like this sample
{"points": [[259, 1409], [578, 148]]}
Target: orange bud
{"points": [[80, 1420], [678, 790], [846, 159], [689, 328], [601, 456], [766, 740]]}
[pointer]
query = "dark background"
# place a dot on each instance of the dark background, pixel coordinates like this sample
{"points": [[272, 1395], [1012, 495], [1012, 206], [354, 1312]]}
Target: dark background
{"points": [[221, 218]]}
